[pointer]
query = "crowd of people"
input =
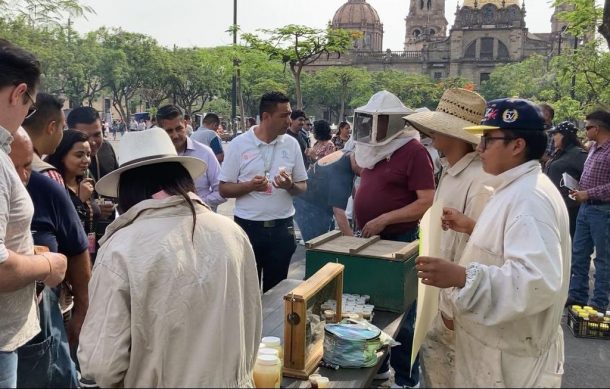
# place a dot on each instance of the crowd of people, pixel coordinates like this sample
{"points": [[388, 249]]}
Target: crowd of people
{"points": [[116, 270]]}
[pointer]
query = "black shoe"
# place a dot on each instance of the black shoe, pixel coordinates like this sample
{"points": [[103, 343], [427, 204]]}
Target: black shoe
{"points": [[572, 301], [598, 309]]}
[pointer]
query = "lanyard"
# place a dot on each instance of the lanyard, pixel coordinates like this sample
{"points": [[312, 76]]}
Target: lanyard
{"points": [[268, 162]]}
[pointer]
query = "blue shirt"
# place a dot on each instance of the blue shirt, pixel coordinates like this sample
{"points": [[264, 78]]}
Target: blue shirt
{"points": [[55, 224], [206, 184]]}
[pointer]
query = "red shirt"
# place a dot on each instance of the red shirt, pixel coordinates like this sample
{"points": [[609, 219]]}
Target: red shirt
{"points": [[391, 185]]}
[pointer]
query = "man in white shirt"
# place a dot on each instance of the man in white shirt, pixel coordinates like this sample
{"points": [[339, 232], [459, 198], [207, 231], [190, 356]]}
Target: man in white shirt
{"points": [[19, 267], [508, 291], [263, 170], [171, 120]]}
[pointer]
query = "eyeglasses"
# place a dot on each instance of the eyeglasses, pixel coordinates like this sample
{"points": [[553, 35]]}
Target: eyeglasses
{"points": [[33, 108], [486, 139]]}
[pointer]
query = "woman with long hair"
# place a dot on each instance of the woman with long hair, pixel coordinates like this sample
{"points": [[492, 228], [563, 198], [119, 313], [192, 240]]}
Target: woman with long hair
{"points": [[72, 159], [569, 157], [174, 296]]}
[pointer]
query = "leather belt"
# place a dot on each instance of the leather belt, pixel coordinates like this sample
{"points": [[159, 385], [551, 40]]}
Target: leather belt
{"points": [[263, 223]]}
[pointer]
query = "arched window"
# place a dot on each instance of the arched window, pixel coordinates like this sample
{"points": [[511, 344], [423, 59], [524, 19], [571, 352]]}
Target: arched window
{"points": [[471, 51], [503, 51], [429, 4], [421, 4], [416, 32], [432, 32]]}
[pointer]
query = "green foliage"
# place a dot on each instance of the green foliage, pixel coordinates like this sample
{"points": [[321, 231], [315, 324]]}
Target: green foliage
{"points": [[337, 88], [582, 18], [415, 90], [297, 46], [585, 74], [43, 12]]}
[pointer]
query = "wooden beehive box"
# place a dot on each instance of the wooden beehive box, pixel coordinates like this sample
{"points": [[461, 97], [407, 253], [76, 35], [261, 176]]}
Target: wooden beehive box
{"points": [[382, 269], [302, 350]]}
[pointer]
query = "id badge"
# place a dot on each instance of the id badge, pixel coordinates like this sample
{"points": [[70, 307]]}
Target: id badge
{"points": [[269, 190], [91, 240]]}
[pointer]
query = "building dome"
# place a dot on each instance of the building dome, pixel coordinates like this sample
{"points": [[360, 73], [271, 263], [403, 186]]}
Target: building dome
{"points": [[356, 12], [497, 3], [358, 15]]}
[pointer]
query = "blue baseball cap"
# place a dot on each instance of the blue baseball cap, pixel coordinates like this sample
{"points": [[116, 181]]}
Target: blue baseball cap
{"points": [[510, 114]]}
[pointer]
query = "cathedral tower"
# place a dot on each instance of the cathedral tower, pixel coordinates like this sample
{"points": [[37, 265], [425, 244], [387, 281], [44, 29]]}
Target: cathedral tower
{"points": [[426, 22]]}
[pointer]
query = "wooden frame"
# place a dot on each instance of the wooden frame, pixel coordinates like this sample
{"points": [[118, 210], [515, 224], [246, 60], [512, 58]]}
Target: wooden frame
{"points": [[298, 362]]}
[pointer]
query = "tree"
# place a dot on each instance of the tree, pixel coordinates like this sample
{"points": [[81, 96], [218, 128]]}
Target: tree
{"points": [[298, 46], [338, 88], [132, 59], [415, 90], [604, 28], [584, 15], [43, 11], [197, 76]]}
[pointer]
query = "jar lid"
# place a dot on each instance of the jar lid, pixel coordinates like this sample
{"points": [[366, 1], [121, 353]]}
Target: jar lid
{"points": [[323, 380], [267, 360], [271, 341], [268, 351]]}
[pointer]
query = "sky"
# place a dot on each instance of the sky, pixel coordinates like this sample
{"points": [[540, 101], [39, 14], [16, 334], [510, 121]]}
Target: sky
{"points": [[203, 23]]}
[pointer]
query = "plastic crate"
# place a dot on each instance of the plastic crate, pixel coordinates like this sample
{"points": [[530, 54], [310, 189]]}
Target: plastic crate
{"points": [[586, 329]]}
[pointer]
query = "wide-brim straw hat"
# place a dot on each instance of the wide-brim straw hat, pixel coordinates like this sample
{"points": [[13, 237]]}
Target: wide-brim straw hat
{"points": [[457, 109], [143, 148]]}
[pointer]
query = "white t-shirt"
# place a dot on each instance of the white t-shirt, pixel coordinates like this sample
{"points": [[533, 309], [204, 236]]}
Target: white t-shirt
{"points": [[247, 157]]}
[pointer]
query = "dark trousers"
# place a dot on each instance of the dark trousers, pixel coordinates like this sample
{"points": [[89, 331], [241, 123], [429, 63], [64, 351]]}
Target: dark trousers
{"points": [[273, 243], [400, 356], [573, 214]]}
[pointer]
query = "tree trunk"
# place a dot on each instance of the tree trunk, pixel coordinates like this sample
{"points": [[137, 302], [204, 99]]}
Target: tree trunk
{"points": [[296, 74], [604, 28], [342, 111]]}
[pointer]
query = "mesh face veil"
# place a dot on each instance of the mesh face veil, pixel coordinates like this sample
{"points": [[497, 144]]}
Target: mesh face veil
{"points": [[380, 120]]}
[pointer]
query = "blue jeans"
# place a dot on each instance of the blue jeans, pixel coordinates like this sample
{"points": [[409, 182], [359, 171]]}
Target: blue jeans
{"points": [[312, 220], [592, 231], [8, 369], [400, 356], [44, 362]]}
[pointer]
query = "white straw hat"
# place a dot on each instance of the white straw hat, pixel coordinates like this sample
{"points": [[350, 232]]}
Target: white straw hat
{"points": [[458, 108], [142, 148]]}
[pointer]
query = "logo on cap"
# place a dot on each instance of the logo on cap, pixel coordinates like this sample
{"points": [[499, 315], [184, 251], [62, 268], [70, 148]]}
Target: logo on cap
{"points": [[510, 116], [491, 113]]}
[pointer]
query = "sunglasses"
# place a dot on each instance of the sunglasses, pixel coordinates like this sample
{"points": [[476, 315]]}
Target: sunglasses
{"points": [[33, 108]]}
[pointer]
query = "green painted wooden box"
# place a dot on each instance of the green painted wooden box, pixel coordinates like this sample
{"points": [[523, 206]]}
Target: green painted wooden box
{"points": [[382, 269]]}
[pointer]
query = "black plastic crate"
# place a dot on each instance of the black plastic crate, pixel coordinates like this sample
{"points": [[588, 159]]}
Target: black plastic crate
{"points": [[587, 329]]}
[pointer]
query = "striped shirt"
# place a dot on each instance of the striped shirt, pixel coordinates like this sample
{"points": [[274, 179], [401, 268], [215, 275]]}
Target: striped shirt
{"points": [[595, 177]]}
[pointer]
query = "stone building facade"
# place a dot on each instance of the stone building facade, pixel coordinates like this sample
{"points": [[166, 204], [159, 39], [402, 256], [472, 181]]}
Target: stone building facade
{"points": [[485, 34]]}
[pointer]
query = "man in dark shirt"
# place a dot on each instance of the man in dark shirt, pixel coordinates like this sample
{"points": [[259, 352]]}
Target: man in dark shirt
{"points": [[298, 118], [56, 226], [396, 189]]}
